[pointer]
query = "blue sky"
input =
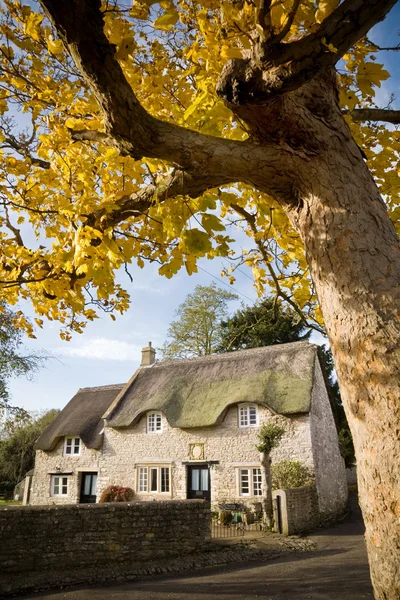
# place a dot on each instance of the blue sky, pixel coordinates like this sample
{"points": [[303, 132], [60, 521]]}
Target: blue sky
{"points": [[109, 352]]}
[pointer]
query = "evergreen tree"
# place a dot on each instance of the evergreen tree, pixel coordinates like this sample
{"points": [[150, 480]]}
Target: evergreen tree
{"points": [[263, 324]]}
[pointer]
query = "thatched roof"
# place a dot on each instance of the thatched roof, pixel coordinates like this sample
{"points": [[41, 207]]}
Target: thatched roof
{"points": [[82, 417], [197, 392]]}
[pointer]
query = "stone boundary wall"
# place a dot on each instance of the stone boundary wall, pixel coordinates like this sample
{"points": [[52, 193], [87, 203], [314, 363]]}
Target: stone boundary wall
{"points": [[298, 509], [45, 546]]}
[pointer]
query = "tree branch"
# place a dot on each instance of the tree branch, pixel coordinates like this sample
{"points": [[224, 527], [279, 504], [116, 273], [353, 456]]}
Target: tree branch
{"points": [[135, 132], [289, 22], [284, 67], [251, 220], [374, 114]]}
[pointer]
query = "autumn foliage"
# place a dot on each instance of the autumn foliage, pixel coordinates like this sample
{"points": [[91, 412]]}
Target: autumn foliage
{"points": [[64, 233]]}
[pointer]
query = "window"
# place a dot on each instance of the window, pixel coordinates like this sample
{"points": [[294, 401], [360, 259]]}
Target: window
{"points": [[153, 480], [72, 446], [154, 422], [59, 485], [250, 480], [248, 415]]}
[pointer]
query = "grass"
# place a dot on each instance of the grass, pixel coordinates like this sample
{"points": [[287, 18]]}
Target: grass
{"points": [[5, 503]]}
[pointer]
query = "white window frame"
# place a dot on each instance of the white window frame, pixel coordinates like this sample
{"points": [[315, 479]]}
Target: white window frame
{"points": [[73, 445], [60, 485], [144, 479], [244, 416], [154, 422], [254, 482]]}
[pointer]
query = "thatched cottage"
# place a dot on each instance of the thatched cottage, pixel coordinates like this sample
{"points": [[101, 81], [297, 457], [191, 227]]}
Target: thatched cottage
{"points": [[188, 429]]}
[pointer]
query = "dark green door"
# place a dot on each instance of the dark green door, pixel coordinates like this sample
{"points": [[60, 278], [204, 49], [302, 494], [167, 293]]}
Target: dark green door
{"points": [[199, 484], [88, 488]]}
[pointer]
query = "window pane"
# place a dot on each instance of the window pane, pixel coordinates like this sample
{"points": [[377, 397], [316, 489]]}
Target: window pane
{"points": [[243, 416], [68, 446], [76, 446], [244, 482], [153, 480], [257, 482], [164, 479], [94, 485], [56, 487], [151, 423], [195, 480], [204, 480], [143, 479], [252, 415], [87, 486], [158, 422]]}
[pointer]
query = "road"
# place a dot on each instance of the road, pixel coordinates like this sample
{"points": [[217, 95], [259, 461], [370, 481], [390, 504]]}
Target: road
{"points": [[337, 570]]}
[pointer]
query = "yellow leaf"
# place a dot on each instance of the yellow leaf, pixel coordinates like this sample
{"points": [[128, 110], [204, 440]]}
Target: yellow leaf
{"points": [[229, 52], [32, 26], [196, 242], [167, 21]]}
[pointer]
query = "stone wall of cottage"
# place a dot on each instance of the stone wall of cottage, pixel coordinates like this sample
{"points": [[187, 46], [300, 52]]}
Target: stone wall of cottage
{"points": [[231, 446], [124, 450], [52, 546], [330, 471], [54, 462]]}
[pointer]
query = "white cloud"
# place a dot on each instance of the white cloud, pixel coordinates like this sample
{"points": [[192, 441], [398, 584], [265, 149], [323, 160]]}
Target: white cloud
{"points": [[103, 349]]}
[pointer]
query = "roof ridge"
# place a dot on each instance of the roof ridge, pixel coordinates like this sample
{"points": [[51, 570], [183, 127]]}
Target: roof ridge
{"points": [[273, 348], [111, 386]]}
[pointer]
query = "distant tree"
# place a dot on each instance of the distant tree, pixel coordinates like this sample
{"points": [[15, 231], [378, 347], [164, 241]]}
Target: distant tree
{"points": [[197, 330], [12, 362], [342, 426], [19, 435], [263, 324]]}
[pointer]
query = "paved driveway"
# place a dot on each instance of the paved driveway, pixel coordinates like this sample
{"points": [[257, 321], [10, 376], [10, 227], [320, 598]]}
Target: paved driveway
{"points": [[337, 570]]}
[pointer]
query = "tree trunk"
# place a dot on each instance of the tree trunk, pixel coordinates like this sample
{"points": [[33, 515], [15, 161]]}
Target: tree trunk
{"points": [[266, 501], [354, 257]]}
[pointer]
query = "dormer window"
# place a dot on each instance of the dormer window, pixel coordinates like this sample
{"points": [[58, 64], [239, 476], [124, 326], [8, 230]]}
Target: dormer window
{"points": [[154, 422], [72, 446], [248, 415]]}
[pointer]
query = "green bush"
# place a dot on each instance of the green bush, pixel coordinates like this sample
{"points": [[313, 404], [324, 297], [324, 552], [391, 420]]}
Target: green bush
{"points": [[116, 493], [290, 474], [225, 517]]}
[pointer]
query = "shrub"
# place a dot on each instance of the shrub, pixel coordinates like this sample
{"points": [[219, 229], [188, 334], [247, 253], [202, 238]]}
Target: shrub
{"points": [[116, 493], [290, 474], [225, 517]]}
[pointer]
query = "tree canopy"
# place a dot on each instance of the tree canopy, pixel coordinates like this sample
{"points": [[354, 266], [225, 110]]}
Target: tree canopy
{"points": [[263, 324], [17, 439], [13, 363], [78, 200], [197, 330]]}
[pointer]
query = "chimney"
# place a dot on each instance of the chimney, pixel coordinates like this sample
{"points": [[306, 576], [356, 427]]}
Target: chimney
{"points": [[148, 356]]}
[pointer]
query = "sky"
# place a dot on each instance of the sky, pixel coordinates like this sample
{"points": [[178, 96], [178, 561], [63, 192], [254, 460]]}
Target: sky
{"points": [[109, 352]]}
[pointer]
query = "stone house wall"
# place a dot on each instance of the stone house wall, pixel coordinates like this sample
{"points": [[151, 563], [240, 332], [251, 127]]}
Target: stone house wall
{"points": [[63, 545], [232, 446], [330, 471], [126, 448], [53, 462]]}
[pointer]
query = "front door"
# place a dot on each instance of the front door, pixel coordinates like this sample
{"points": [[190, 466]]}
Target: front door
{"points": [[88, 488], [199, 482]]}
